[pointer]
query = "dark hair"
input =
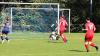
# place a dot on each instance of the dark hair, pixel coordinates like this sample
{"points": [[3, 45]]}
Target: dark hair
{"points": [[87, 18], [7, 18]]}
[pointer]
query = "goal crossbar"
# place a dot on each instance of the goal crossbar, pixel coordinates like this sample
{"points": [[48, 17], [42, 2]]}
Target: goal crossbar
{"points": [[63, 9], [36, 8], [28, 3], [60, 9]]}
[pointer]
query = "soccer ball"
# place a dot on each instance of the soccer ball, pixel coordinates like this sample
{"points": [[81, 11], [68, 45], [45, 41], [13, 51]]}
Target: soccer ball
{"points": [[53, 36]]}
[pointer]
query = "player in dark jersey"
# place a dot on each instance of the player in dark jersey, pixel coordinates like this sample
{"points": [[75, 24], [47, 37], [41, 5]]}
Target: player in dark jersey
{"points": [[5, 30]]}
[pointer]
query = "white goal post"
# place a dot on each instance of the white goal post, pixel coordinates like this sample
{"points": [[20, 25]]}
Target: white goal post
{"points": [[34, 4], [48, 9], [69, 16], [58, 9]]}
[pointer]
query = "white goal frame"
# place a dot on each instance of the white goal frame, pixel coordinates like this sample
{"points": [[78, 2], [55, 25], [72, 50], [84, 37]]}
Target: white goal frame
{"points": [[33, 4], [48, 9], [58, 10], [68, 17]]}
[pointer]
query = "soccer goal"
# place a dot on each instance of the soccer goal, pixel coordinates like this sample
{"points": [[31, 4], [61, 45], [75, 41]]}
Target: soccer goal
{"points": [[37, 18], [66, 13], [41, 14]]}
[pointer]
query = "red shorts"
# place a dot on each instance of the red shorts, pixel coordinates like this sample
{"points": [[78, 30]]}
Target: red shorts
{"points": [[88, 37], [62, 31]]}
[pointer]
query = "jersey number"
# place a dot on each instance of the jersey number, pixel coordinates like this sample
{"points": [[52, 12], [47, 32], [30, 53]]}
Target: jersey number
{"points": [[91, 26]]}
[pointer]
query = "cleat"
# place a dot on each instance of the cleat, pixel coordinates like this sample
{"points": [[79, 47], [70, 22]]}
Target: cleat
{"points": [[8, 41], [2, 41], [96, 48], [87, 50]]}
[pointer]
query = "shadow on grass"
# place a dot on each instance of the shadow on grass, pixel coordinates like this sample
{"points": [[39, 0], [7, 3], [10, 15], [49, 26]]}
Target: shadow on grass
{"points": [[77, 51]]}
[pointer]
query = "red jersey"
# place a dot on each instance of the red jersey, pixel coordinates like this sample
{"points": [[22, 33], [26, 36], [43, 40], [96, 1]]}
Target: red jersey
{"points": [[62, 24], [90, 28]]}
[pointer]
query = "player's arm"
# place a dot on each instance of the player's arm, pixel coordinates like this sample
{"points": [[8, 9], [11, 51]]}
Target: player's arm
{"points": [[66, 23], [86, 28], [94, 28]]}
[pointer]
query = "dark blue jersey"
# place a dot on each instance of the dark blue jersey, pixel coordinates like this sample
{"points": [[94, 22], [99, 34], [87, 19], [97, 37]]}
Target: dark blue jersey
{"points": [[6, 27]]}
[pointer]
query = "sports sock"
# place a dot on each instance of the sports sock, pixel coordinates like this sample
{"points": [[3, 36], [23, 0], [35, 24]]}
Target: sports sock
{"points": [[87, 47], [2, 38], [92, 44], [64, 38]]}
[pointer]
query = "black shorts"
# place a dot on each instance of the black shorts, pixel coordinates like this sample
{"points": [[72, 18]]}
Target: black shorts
{"points": [[5, 32]]}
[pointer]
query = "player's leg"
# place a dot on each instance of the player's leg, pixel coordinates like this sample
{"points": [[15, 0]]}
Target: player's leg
{"points": [[63, 36], [86, 44], [6, 36], [92, 44], [2, 36], [97, 48]]}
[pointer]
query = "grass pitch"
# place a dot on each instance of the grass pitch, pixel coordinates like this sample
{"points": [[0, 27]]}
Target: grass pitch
{"points": [[37, 44]]}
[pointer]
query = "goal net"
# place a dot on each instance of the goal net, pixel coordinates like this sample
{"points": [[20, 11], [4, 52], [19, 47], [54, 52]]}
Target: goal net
{"points": [[39, 17], [32, 17], [41, 20]]}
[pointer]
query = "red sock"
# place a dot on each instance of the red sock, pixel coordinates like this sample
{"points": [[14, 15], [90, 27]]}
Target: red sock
{"points": [[64, 38], [87, 46], [92, 44]]}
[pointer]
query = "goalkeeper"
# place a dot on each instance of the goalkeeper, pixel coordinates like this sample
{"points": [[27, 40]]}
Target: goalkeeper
{"points": [[5, 30]]}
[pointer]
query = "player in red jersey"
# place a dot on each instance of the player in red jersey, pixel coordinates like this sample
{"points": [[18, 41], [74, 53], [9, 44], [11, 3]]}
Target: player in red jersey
{"points": [[62, 26], [90, 28]]}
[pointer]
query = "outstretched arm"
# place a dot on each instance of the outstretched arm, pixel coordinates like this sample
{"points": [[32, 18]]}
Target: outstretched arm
{"points": [[94, 28], [86, 28]]}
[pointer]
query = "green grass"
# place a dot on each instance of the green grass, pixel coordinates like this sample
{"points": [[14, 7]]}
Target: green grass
{"points": [[37, 44]]}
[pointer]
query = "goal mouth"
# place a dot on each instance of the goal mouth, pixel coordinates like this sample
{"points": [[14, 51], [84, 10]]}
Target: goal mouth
{"points": [[46, 7], [49, 6]]}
